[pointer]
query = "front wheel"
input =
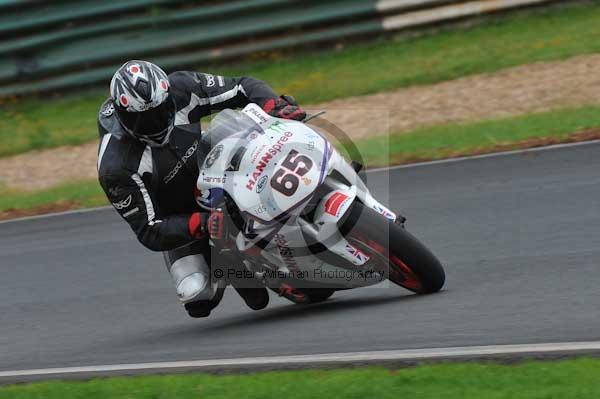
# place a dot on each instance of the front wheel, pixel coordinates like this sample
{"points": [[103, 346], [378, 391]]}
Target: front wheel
{"points": [[408, 262]]}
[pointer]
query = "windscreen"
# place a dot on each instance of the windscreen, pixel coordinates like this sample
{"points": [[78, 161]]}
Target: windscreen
{"points": [[228, 123]]}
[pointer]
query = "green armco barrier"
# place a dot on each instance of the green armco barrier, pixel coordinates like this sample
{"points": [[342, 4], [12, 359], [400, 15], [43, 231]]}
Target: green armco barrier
{"points": [[51, 46], [4, 4], [44, 38], [39, 15], [171, 63], [140, 43]]}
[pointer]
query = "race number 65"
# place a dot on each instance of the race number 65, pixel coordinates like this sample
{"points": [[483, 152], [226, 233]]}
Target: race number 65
{"points": [[285, 180]]}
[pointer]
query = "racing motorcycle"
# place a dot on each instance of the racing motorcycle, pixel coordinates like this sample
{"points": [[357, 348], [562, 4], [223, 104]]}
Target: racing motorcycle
{"points": [[303, 221]]}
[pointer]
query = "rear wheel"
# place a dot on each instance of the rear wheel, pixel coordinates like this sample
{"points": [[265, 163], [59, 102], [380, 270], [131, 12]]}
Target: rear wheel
{"points": [[408, 262]]}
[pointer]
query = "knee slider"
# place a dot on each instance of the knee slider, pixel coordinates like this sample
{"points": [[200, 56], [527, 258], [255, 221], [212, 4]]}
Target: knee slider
{"points": [[191, 276]]}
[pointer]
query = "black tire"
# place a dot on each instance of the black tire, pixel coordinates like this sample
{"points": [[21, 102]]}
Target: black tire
{"points": [[317, 295], [411, 264]]}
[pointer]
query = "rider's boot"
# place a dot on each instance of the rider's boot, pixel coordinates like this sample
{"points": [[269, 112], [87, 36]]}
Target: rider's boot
{"points": [[202, 308], [252, 291], [255, 298], [197, 291]]}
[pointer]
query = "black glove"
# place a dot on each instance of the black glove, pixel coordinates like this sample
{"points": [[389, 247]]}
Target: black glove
{"points": [[284, 107]]}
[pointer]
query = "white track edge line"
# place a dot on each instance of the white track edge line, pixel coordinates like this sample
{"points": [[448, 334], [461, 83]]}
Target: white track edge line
{"points": [[376, 170], [326, 358], [54, 214]]}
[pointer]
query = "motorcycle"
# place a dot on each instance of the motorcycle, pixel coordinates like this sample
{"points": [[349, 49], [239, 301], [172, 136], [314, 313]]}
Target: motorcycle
{"points": [[303, 221]]}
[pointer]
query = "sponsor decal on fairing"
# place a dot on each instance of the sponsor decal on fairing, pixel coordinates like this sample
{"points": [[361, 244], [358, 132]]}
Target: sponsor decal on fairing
{"points": [[214, 179], [357, 253], [261, 184], [257, 115], [286, 252], [213, 156], [256, 152], [266, 159], [386, 213]]}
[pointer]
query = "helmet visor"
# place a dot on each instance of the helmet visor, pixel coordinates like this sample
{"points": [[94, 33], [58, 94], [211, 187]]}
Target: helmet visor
{"points": [[151, 125]]}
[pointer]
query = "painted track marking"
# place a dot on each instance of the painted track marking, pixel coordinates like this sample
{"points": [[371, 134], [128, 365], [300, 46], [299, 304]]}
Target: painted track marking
{"points": [[275, 362]]}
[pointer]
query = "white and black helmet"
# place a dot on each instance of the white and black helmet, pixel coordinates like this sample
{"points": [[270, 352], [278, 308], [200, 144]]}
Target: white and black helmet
{"points": [[143, 102]]}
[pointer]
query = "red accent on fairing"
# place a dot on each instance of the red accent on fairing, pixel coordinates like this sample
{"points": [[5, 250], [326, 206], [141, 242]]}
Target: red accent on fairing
{"points": [[124, 101], [134, 69], [333, 203], [164, 85]]}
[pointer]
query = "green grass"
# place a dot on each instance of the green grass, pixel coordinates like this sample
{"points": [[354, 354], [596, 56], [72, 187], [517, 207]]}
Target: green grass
{"points": [[434, 142], [567, 379], [35, 124], [82, 194], [357, 69], [450, 140]]}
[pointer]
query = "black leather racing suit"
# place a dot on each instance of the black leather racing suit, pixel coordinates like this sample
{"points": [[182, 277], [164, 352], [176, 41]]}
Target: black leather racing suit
{"points": [[152, 188]]}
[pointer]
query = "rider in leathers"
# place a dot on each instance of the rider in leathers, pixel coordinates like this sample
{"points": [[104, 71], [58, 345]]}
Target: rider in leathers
{"points": [[149, 142]]}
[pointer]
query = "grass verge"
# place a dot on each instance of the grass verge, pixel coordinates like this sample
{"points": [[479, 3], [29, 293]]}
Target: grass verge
{"points": [[437, 142], [82, 194], [355, 70], [576, 379], [453, 140]]}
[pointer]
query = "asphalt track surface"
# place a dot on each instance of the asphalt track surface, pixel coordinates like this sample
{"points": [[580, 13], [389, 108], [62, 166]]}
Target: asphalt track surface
{"points": [[519, 236]]}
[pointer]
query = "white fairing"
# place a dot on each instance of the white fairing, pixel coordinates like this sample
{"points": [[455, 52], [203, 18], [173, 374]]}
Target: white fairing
{"points": [[264, 157], [271, 168]]}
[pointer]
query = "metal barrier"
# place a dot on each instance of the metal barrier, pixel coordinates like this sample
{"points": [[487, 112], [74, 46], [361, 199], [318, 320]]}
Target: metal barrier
{"points": [[80, 43]]}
